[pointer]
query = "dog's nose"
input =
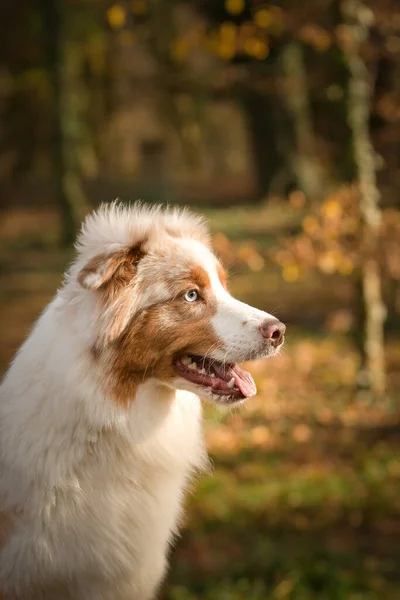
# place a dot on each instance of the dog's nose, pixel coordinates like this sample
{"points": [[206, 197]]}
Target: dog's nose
{"points": [[273, 330]]}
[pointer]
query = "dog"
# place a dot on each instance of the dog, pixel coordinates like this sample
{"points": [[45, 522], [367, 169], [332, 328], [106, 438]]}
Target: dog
{"points": [[100, 413]]}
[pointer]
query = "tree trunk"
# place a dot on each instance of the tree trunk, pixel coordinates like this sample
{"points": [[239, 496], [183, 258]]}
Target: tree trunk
{"points": [[63, 65], [302, 153], [357, 18], [162, 29], [260, 114]]}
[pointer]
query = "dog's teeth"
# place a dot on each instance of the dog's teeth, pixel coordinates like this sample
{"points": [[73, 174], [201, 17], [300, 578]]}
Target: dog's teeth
{"points": [[192, 366], [231, 383], [186, 360], [212, 375], [203, 371]]}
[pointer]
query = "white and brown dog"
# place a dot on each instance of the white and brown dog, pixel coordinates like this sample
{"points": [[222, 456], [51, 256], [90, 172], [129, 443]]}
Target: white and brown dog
{"points": [[100, 418]]}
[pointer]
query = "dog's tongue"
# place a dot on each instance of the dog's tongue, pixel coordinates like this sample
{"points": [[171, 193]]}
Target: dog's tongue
{"points": [[243, 379]]}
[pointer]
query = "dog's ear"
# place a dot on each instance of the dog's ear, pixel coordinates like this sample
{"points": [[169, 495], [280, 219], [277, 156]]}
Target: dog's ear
{"points": [[112, 276], [112, 270]]}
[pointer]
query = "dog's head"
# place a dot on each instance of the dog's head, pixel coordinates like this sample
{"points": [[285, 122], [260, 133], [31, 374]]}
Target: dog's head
{"points": [[162, 306]]}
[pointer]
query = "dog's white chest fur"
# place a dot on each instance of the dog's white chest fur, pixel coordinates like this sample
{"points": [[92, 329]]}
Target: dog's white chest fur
{"points": [[101, 528], [139, 488]]}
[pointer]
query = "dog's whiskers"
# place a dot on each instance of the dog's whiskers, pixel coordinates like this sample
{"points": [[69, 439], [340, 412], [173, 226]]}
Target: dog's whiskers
{"points": [[208, 351]]}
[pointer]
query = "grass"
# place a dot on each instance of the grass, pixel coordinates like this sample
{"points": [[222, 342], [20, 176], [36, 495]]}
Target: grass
{"points": [[303, 498], [294, 508]]}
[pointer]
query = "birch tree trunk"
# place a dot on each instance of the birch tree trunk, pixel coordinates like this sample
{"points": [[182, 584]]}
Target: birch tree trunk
{"points": [[358, 19], [305, 165]]}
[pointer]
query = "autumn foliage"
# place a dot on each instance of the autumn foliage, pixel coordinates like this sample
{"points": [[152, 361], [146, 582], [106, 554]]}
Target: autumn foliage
{"points": [[273, 119]]}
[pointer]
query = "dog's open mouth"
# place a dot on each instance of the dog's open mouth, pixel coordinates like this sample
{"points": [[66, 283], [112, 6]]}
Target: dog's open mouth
{"points": [[222, 379]]}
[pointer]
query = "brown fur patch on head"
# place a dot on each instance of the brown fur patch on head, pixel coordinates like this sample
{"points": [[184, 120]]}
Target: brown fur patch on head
{"points": [[112, 277], [196, 278], [123, 274], [111, 272], [200, 277], [148, 348], [161, 332]]}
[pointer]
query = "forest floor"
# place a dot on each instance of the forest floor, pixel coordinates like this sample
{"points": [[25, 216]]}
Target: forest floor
{"points": [[303, 498]]}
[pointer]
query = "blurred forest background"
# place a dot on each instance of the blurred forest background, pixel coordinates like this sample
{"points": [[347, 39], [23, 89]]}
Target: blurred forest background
{"points": [[281, 122]]}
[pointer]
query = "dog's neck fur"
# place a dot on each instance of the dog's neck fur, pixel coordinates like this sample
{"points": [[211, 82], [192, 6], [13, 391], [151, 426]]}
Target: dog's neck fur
{"points": [[71, 458], [75, 408]]}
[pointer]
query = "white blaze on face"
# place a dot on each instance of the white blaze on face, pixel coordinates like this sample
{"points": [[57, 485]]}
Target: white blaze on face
{"points": [[236, 323]]}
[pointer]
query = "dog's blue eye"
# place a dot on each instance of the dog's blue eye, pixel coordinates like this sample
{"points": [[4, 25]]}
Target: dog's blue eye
{"points": [[191, 296]]}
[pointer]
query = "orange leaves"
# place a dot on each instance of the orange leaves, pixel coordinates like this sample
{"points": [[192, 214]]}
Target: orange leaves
{"points": [[229, 39], [346, 266], [262, 436], [182, 46], [223, 439], [340, 321], [179, 49], [256, 48], [271, 19], [310, 225], [291, 272], [250, 37], [330, 240], [228, 31], [328, 262], [296, 255], [116, 16], [226, 41], [301, 433], [331, 208], [263, 18], [245, 253], [234, 7], [315, 36], [297, 199], [224, 248], [248, 254]]}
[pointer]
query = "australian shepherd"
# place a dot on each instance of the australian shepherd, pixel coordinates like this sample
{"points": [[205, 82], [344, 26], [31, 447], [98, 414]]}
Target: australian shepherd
{"points": [[100, 414]]}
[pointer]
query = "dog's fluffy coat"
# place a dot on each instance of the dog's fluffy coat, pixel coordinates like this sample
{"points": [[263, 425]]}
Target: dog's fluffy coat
{"points": [[98, 433]]}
